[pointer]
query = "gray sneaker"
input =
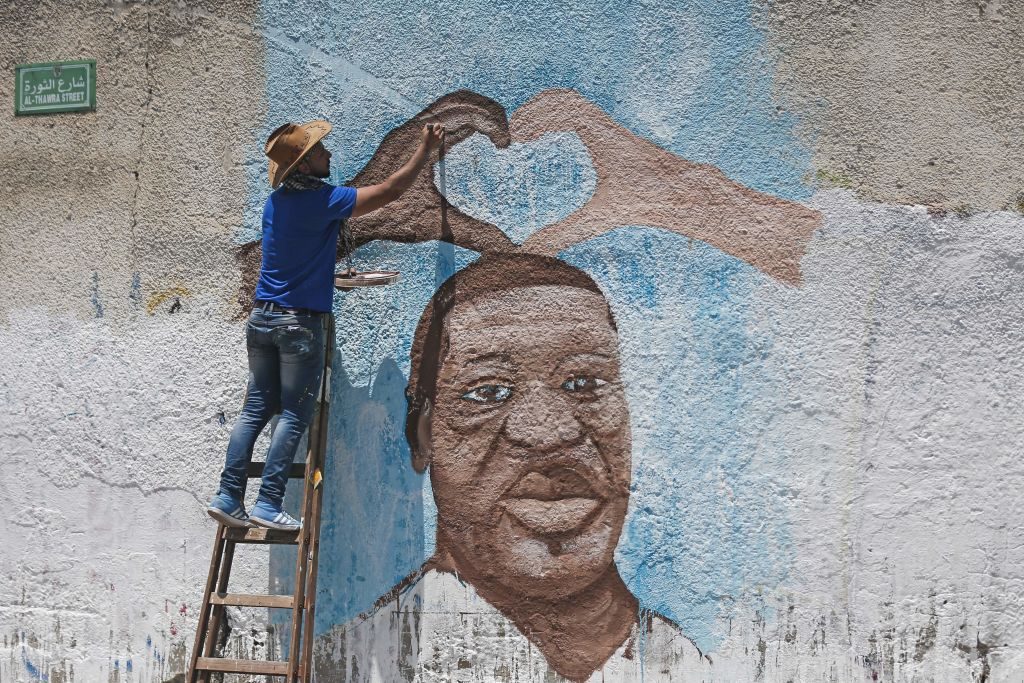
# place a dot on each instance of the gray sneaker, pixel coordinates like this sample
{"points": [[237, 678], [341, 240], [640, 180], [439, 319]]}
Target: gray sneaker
{"points": [[228, 512], [264, 515]]}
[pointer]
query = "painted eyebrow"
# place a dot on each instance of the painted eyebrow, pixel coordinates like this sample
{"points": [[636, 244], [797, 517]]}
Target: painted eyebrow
{"points": [[485, 358], [584, 357]]}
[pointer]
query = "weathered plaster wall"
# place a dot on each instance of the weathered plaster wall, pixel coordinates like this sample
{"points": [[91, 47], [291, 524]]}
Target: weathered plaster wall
{"points": [[825, 475], [119, 352], [908, 102]]}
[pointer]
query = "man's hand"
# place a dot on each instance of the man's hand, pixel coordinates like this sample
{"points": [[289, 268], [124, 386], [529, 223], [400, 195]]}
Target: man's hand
{"points": [[373, 197], [433, 136], [421, 214]]}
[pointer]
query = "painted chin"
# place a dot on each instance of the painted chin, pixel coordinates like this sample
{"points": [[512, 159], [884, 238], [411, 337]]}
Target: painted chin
{"points": [[550, 549], [552, 538]]}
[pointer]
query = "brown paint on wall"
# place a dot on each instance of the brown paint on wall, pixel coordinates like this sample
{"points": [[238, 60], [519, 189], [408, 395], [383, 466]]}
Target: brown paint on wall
{"points": [[517, 406], [417, 215], [421, 213], [248, 258], [516, 403]]}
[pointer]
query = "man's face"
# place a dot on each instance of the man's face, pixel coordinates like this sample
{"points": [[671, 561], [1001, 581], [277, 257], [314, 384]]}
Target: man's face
{"points": [[317, 162], [530, 439]]}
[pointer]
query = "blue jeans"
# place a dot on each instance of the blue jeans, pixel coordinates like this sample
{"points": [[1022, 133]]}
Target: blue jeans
{"points": [[286, 361]]}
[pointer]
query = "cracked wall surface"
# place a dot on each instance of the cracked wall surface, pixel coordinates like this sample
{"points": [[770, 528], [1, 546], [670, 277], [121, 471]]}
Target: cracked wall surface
{"points": [[824, 470]]}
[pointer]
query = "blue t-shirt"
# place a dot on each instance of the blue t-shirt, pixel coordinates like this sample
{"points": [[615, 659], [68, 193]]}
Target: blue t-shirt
{"points": [[300, 241]]}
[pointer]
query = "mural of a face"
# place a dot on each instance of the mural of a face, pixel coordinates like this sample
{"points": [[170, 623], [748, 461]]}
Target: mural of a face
{"points": [[530, 438], [526, 431], [515, 401]]}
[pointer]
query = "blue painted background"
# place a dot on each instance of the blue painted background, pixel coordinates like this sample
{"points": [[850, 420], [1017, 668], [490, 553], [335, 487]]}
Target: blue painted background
{"points": [[689, 76]]}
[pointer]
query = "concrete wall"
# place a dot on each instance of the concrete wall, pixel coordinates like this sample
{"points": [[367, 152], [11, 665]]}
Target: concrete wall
{"points": [[789, 231]]}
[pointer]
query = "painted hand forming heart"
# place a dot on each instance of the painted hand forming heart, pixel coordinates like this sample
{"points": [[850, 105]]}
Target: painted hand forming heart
{"points": [[632, 181], [637, 183]]}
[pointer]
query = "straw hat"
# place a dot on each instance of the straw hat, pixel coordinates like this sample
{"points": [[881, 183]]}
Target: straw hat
{"points": [[287, 145]]}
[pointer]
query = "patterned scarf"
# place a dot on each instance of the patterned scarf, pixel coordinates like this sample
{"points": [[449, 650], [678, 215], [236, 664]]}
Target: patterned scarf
{"points": [[297, 182]]}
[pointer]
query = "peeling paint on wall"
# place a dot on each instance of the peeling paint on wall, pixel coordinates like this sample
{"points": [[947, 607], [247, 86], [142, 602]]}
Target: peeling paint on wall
{"points": [[171, 294]]}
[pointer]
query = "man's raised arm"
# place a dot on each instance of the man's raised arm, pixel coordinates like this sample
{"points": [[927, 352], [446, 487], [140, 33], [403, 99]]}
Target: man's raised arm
{"points": [[373, 197]]}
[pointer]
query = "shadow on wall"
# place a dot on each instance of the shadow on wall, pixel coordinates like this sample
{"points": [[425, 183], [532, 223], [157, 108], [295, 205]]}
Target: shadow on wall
{"points": [[517, 409], [372, 499]]}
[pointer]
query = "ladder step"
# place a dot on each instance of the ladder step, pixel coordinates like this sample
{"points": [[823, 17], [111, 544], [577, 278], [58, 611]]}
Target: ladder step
{"points": [[239, 535], [297, 470], [246, 600], [242, 666]]}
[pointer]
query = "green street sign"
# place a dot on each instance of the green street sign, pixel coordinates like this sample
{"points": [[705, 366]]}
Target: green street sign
{"points": [[55, 87]]}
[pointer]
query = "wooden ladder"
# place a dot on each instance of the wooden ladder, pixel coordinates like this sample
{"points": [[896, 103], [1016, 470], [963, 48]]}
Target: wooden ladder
{"points": [[302, 601]]}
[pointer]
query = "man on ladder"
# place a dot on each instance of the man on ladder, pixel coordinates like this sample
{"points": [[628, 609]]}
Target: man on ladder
{"points": [[290, 340], [286, 331]]}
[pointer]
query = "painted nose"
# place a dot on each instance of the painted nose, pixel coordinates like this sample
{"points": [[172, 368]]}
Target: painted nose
{"points": [[542, 420]]}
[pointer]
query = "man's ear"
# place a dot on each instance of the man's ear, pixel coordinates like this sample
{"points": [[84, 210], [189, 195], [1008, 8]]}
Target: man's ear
{"points": [[417, 432]]}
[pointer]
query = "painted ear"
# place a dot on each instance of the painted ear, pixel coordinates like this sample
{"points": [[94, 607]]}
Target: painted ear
{"points": [[639, 183], [418, 433]]}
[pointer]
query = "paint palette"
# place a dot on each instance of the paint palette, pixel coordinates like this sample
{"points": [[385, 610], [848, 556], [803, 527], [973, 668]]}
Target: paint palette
{"points": [[369, 278]]}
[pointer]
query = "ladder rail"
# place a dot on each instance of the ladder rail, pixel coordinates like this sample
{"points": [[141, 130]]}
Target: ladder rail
{"points": [[298, 598], [307, 557], [217, 610], [211, 578], [309, 605], [309, 612]]}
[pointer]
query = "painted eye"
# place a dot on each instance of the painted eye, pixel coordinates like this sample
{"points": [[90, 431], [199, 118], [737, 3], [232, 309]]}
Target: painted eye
{"points": [[583, 384], [488, 393]]}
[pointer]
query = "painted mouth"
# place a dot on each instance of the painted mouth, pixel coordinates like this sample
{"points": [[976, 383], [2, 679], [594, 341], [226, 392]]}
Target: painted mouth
{"points": [[558, 501]]}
